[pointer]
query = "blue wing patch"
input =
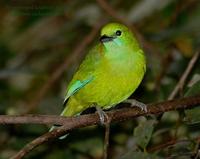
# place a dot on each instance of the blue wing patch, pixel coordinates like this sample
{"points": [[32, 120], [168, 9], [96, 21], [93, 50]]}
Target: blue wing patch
{"points": [[76, 86]]}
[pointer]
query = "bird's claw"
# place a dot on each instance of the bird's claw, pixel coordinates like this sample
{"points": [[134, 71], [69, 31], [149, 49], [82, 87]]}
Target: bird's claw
{"points": [[135, 103], [102, 115]]}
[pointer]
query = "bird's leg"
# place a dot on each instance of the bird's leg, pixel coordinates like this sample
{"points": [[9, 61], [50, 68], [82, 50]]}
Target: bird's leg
{"points": [[102, 115], [135, 103]]}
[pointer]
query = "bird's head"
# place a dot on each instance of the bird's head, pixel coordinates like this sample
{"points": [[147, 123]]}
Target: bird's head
{"points": [[115, 33]]}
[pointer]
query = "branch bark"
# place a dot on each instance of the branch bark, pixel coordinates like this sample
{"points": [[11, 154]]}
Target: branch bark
{"points": [[92, 119], [70, 123]]}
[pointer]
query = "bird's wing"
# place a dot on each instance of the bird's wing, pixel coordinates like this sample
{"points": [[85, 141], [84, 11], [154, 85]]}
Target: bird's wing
{"points": [[85, 73], [76, 86]]}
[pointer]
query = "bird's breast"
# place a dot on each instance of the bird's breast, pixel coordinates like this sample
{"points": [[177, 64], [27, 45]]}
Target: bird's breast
{"points": [[114, 81]]}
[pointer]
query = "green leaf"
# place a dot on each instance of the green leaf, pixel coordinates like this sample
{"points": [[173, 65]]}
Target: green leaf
{"points": [[194, 90], [193, 115], [143, 132], [92, 146]]}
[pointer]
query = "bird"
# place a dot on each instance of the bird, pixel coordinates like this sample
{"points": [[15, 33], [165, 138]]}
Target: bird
{"points": [[111, 71]]}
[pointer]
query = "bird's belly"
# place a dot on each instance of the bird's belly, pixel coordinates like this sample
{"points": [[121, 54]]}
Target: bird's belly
{"points": [[108, 89]]}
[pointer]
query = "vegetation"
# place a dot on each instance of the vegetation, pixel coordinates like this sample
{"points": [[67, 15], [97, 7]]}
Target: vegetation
{"points": [[42, 44]]}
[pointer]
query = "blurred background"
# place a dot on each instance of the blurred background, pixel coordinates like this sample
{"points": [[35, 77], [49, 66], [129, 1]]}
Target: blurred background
{"points": [[42, 44]]}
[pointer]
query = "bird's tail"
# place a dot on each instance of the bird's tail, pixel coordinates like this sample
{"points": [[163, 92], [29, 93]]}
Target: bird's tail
{"points": [[71, 109]]}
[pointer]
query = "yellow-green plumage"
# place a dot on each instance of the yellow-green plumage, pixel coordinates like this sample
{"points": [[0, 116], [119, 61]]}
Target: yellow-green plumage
{"points": [[109, 74]]}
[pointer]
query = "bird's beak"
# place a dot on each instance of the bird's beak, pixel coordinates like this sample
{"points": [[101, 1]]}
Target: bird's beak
{"points": [[106, 38]]}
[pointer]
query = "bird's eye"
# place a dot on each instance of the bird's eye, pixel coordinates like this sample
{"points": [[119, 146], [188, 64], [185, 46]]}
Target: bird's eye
{"points": [[118, 33]]}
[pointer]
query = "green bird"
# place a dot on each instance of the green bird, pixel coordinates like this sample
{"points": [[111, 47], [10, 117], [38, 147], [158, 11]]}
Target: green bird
{"points": [[109, 74]]}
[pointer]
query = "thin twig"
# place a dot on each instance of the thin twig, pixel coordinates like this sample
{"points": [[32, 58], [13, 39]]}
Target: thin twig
{"points": [[173, 142], [106, 139], [111, 11], [93, 119], [197, 148], [166, 145], [181, 83], [181, 155], [197, 155]]}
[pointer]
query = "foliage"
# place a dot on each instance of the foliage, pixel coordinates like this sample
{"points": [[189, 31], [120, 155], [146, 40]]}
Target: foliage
{"points": [[37, 37]]}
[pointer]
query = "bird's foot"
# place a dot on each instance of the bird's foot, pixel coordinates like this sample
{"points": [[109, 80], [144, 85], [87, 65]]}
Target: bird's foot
{"points": [[102, 115], [55, 127], [135, 103]]}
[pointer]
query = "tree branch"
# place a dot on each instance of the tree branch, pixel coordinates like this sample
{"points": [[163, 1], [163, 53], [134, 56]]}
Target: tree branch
{"points": [[184, 76], [92, 119], [70, 123]]}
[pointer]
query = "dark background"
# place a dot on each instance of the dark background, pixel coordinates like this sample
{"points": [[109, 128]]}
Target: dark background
{"points": [[41, 45]]}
